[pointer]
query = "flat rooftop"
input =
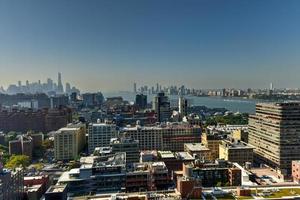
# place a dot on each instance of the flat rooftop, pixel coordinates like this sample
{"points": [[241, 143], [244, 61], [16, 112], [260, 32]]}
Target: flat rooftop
{"points": [[56, 188], [33, 177], [69, 129], [102, 124], [162, 126], [196, 147], [236, 145], [184, 156], [166, 154]]}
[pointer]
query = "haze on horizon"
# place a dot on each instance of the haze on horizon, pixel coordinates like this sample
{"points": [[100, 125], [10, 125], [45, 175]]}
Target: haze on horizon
{"points": [[108, 45]]}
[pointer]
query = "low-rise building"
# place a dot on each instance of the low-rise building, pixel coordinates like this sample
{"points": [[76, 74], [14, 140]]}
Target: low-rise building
{"points": [[148, 156], [240, 134], [210, 174], [97, 174], [174, 160], [296, 171], [56, 192], [128, 145], [35, 186], [198, 150], [212, 141], [148, 177], [33, 192], [24, 146], [188, 187], [236, 151]]}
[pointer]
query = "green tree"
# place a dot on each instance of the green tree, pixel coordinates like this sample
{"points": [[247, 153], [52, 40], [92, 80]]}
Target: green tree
{"points": [[3, 148], [17, 160], [48, 144], [219, 184], [38, 166]]}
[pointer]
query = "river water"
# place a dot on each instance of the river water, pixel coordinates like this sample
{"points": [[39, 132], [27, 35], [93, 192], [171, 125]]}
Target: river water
{"points": [[233, 104]]}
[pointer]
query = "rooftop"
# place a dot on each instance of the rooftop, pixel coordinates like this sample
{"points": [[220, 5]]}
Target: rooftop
{"points": [[184, 156], [101, 124], [166, 154], [196, 147], [236, 144], [161, 127], [69, 129], [56, 188], [279, 104], [33, 188]]}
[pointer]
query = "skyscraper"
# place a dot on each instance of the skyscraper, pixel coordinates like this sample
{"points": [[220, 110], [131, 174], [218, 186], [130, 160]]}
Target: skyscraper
{"points": [[183, 105], [49, 84], [134, 88], [141, 101], [274, 131], [161, 105], [157, 88], [60, 87], [68, 88]]}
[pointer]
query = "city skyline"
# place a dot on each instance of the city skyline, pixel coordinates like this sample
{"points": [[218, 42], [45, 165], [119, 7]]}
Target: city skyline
{"points": [[108, 45], [63, 86]]}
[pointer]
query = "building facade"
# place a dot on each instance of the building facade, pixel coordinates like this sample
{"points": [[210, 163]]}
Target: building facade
{"points": [[11, 184], [161, 105], [41, 120], [274, 131], [212, 142], [236, 151], [169, 137], [69, 141], [97, 175], [209, 174], [141, 101], [128, 145], [99, 135]]}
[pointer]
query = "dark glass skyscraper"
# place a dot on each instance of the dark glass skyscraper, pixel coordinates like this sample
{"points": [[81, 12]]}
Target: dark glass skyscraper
{"points": [[141, 101], [161, 105]]}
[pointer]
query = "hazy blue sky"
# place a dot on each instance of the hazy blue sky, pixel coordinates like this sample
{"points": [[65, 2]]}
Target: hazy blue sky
{"points": [[108, 44]]}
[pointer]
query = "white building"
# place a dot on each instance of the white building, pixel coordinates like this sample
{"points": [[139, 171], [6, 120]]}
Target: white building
{"points": [[99, 135]]}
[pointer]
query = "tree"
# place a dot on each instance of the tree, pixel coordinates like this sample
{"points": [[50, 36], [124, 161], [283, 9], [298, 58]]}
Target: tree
{"points": [[48, 144], [3, 148], [38, 166], [17, 160], [219, 184]]}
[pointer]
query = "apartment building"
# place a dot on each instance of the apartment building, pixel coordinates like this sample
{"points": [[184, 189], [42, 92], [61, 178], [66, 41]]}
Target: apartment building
{"points": [[198, 150], [99, 135], [128, 145], [236, 151], [209, 173], [148, 177], [11, 184], [97, 174], [167, 137], [212, 141], [274, 131], [69, 141]]}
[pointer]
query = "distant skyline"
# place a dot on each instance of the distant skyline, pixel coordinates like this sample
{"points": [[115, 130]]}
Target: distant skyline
{"points": [[109, 45]]}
